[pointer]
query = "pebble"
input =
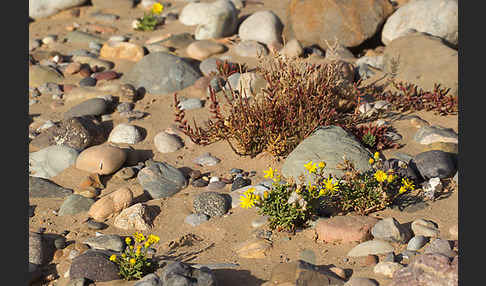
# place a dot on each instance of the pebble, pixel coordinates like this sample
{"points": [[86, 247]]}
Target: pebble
{"points": [[191, 103], [161, 180], [417, 242], [94, 106], [110, 204], [43, 188], [213, 186], [125, 133], [201, 50], [87, 81], [211, 204], [292, 48], [217, 83], [122, 51], [95, 266], [441, 246], [251, 49], [95, 225], [101, 159], [75, 204], [206, 160], [424, 227], [236, 171], [167, 143], [370, 247], [49, 39], [133, 218], [432, 187], [126, 173], [233, 81], [387, 268], [105, 75], [106, 242], [199, 183], [389, 229], [239, 183], [196, 219], [262, 26], [435, 163], [209, 66]]}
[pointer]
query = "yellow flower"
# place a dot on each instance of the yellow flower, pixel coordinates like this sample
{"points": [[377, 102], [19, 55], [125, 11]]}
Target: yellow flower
{"points": [[132, 260], [113, 257], [157, 8], [276, 178], [380, 176], [371, 161], [322, 192], [131, 247], [376, 155], [139, 248], [128, 240], [330, 186], [153, 238], [247, 201], [312, 187], [402, 190], [139, 237], [146, 244], [408, 184], [269, 173], [265, 194], [390, 178], [124, 255], [249, 191], [310, 167], [321, 165]]}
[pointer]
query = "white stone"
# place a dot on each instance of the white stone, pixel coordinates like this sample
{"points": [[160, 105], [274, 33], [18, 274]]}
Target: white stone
{"points": [[387, 268], [213, 179], [125, 133], [432, 186], [50, 161], [374, 246], [45, 8], [167, 143], [132, 218], [424, 227], [262, 26]]}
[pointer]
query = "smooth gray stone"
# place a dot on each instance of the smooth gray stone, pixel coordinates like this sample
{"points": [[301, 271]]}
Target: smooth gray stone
{"points": [[80, 37], [75, 204], [417, 242], [50, 161], [196, 219], [43, 188], [106, 242], [161, 180], [93, 106]]}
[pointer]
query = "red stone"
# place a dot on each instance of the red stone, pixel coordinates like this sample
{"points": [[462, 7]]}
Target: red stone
{"points": [[107, 75], [345, 228]]}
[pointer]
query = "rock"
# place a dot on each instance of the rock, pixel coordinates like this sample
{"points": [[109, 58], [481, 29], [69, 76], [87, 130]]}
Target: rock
{"points": [[338, 52], [215, 20], [191, 103], [111, 204], [424, 227], [209, 66], [254, 248], [95, 225], [167, 143], [161, 73], [233, 82], [213, 186], [259, 222], [235, 195], [440, 246], [389, 229], [435, 163], [179, 273], [432, 187], [432, 134], [428, 269], [446, 147], [201, 50], [80, 37], [105, 75], [360, 281], [196, 219], [51, 161], [177, 41], [350, 22], [77, 282], [374, 61], [101, 159], [211, 204], [328, 144], [94, 106], [75, 204], [374, 246], [262, 26], [428, 63], [92, 62], [77, 133], [417, 242], [387, 268], [38, 75], [240, 182], [292, 49], [161, 180], [454, 231], [87, 81], [250, 49], [95, 266], [301, 273], [121, 51], [42, 188], [125, 133], [442, 22], [206, 160], [251, 83], [200, 182], [149, 280], [72, 68], [106, 242], [37, 251], [44, 8], [133, 218], [345, 229]]}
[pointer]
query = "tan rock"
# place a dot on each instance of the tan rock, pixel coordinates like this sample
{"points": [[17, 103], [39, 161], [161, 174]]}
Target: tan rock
{"points": [[443, 146], [201, 50], [167, 143], [121, 51], [72, 68], [454, 231], [89, 192], [101, 159], [292, 49], [110, 204], [253, 248], [133, 218], [345, 228], [338, 271], [301, 273], [418, 122]]}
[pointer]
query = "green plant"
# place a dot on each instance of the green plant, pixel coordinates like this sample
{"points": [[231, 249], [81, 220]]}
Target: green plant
{"points": [[133, 262], [149, 21]]}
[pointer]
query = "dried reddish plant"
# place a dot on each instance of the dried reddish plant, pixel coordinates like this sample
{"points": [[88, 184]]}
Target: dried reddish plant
{"points": [[374, 137]]}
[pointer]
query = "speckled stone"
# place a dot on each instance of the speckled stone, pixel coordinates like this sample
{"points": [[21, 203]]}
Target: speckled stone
{"points": [[211, 204]]}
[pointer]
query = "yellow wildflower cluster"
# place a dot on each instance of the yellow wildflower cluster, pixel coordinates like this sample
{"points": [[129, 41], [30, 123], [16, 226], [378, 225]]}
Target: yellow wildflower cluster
{"points": [[406, 186], [248, 199], [272, 174]]}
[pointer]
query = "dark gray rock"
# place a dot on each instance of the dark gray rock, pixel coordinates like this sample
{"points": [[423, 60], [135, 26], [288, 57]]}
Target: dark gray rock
{"points": [[389, 229], [211, 204], [37, 252], [441, 246], [95, 225], [106, 242], [80, 37], [240, 182], [199, 183], [87, 81], [149, 280], [161, 73], [34, 273], [181, 274], [435, 163], [43, 188], [94, 106], [161, 180], [75, 204], [95, 266]]}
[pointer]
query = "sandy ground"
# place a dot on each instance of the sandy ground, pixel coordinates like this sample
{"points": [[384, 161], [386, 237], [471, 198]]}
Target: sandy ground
{"points": [[219, 235]]}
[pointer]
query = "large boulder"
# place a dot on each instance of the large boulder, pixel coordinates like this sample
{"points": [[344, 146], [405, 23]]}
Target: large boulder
{"points": [[161, 73], [435, 17], [350, 22], [328, 144], [422, 60], [45, 8]]}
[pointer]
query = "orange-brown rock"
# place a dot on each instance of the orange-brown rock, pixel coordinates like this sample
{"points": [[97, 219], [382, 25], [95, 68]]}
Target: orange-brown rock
{"points": [[122, 51], [101, 159], [111, 204]]}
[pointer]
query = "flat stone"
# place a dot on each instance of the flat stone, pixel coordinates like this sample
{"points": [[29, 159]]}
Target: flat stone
{"points": [[161, 180], [94, 106], [211, 204], [101, 159], [43, 188], [133, 218], [95, 266], [106, 242], [432, 134], [206, 160], [387, 268], [370, 247], [80, 37], [167, 143], [345, 229], [50, 161], [75, 204], [201, 50], [425, 227], [196, 219], [435, 163]]}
